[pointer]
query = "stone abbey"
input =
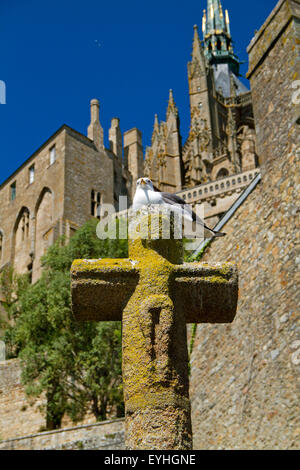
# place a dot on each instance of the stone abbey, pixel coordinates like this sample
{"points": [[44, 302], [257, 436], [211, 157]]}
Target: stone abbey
{"points": [[244, 380], [66, 181]]}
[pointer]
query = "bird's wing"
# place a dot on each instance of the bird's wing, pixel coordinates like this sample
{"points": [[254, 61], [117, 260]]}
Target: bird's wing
{"points": [[173, 199]]}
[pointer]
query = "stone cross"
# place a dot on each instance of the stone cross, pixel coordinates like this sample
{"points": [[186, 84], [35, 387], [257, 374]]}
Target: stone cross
{"points": [[155, 294]]}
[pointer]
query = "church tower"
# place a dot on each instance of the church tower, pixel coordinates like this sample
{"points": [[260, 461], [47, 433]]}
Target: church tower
{"points": [[221, 140], [220, 105], [218, 47]]}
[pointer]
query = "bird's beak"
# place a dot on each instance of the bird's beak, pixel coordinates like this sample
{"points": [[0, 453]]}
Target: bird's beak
{"points": [[143, 182]]}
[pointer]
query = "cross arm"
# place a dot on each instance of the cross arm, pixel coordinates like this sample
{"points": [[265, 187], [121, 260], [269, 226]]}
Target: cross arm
{"points": [[102, 288], [205, 293]]}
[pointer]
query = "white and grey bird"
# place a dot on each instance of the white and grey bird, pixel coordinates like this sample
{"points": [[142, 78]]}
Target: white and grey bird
{"points": [[147, 195]]}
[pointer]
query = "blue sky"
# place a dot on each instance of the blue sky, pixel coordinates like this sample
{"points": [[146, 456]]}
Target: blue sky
{"points": [[55, 56]]}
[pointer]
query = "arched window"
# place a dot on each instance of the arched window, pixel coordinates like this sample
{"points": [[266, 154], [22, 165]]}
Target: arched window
{"points": [[44, 230], [219, 44], [1, 244], [222, 173], [21, 244]]}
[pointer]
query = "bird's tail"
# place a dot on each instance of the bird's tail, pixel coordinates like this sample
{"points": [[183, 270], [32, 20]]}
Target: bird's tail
{"points": [[214, 232], [218, 234]]}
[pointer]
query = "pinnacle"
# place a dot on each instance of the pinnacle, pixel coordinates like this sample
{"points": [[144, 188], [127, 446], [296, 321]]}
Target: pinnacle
{"points": [[171, 104], [156, 124]]}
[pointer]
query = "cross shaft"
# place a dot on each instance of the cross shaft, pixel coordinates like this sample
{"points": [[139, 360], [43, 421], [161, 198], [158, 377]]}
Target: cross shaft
{"points": [[155, 295]]}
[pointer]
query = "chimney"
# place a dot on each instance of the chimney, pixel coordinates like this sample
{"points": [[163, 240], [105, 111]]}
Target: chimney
{"points": [[95, 131], [115, 138], [133, 154]]}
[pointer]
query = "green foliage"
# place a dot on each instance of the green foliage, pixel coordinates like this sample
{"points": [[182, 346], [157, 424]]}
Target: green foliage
{"points": [[76, 365], [201, 253]]}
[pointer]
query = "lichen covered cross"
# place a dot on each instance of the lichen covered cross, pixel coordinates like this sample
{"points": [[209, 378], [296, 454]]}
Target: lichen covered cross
{"points": [[155, 294]]}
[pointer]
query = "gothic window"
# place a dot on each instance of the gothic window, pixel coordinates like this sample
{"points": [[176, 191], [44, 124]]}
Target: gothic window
{"points": [[222, 173], [29, 268], [95, 204], [44, 230], [219, 44], [13, 191], [31, 174], [21, 242], [53, 155], [25, 225], [1, 245], [209, 46]]}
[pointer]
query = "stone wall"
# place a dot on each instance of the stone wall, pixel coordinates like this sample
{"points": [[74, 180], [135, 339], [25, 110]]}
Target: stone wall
{"points": [[274, 66], [245, 376], [245, 388], [86, 169], [108, 435], [17, 416], [20, 417]]}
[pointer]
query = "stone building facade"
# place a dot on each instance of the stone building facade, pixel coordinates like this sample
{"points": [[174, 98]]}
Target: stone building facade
{"points": [[69, 178], [244, 383], [63, 184]]}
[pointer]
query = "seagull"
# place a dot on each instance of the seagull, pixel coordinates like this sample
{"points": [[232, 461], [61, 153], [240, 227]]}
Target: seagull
{"points": [[146, 195]]}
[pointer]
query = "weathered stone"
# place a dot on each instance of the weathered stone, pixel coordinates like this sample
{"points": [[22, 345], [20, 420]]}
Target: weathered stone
{"points": [[257, 348], [150, 293]]}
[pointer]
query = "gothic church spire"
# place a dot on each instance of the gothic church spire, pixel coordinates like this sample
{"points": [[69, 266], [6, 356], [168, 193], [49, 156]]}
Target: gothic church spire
{"points": [[217, 38], [171, 105]]}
